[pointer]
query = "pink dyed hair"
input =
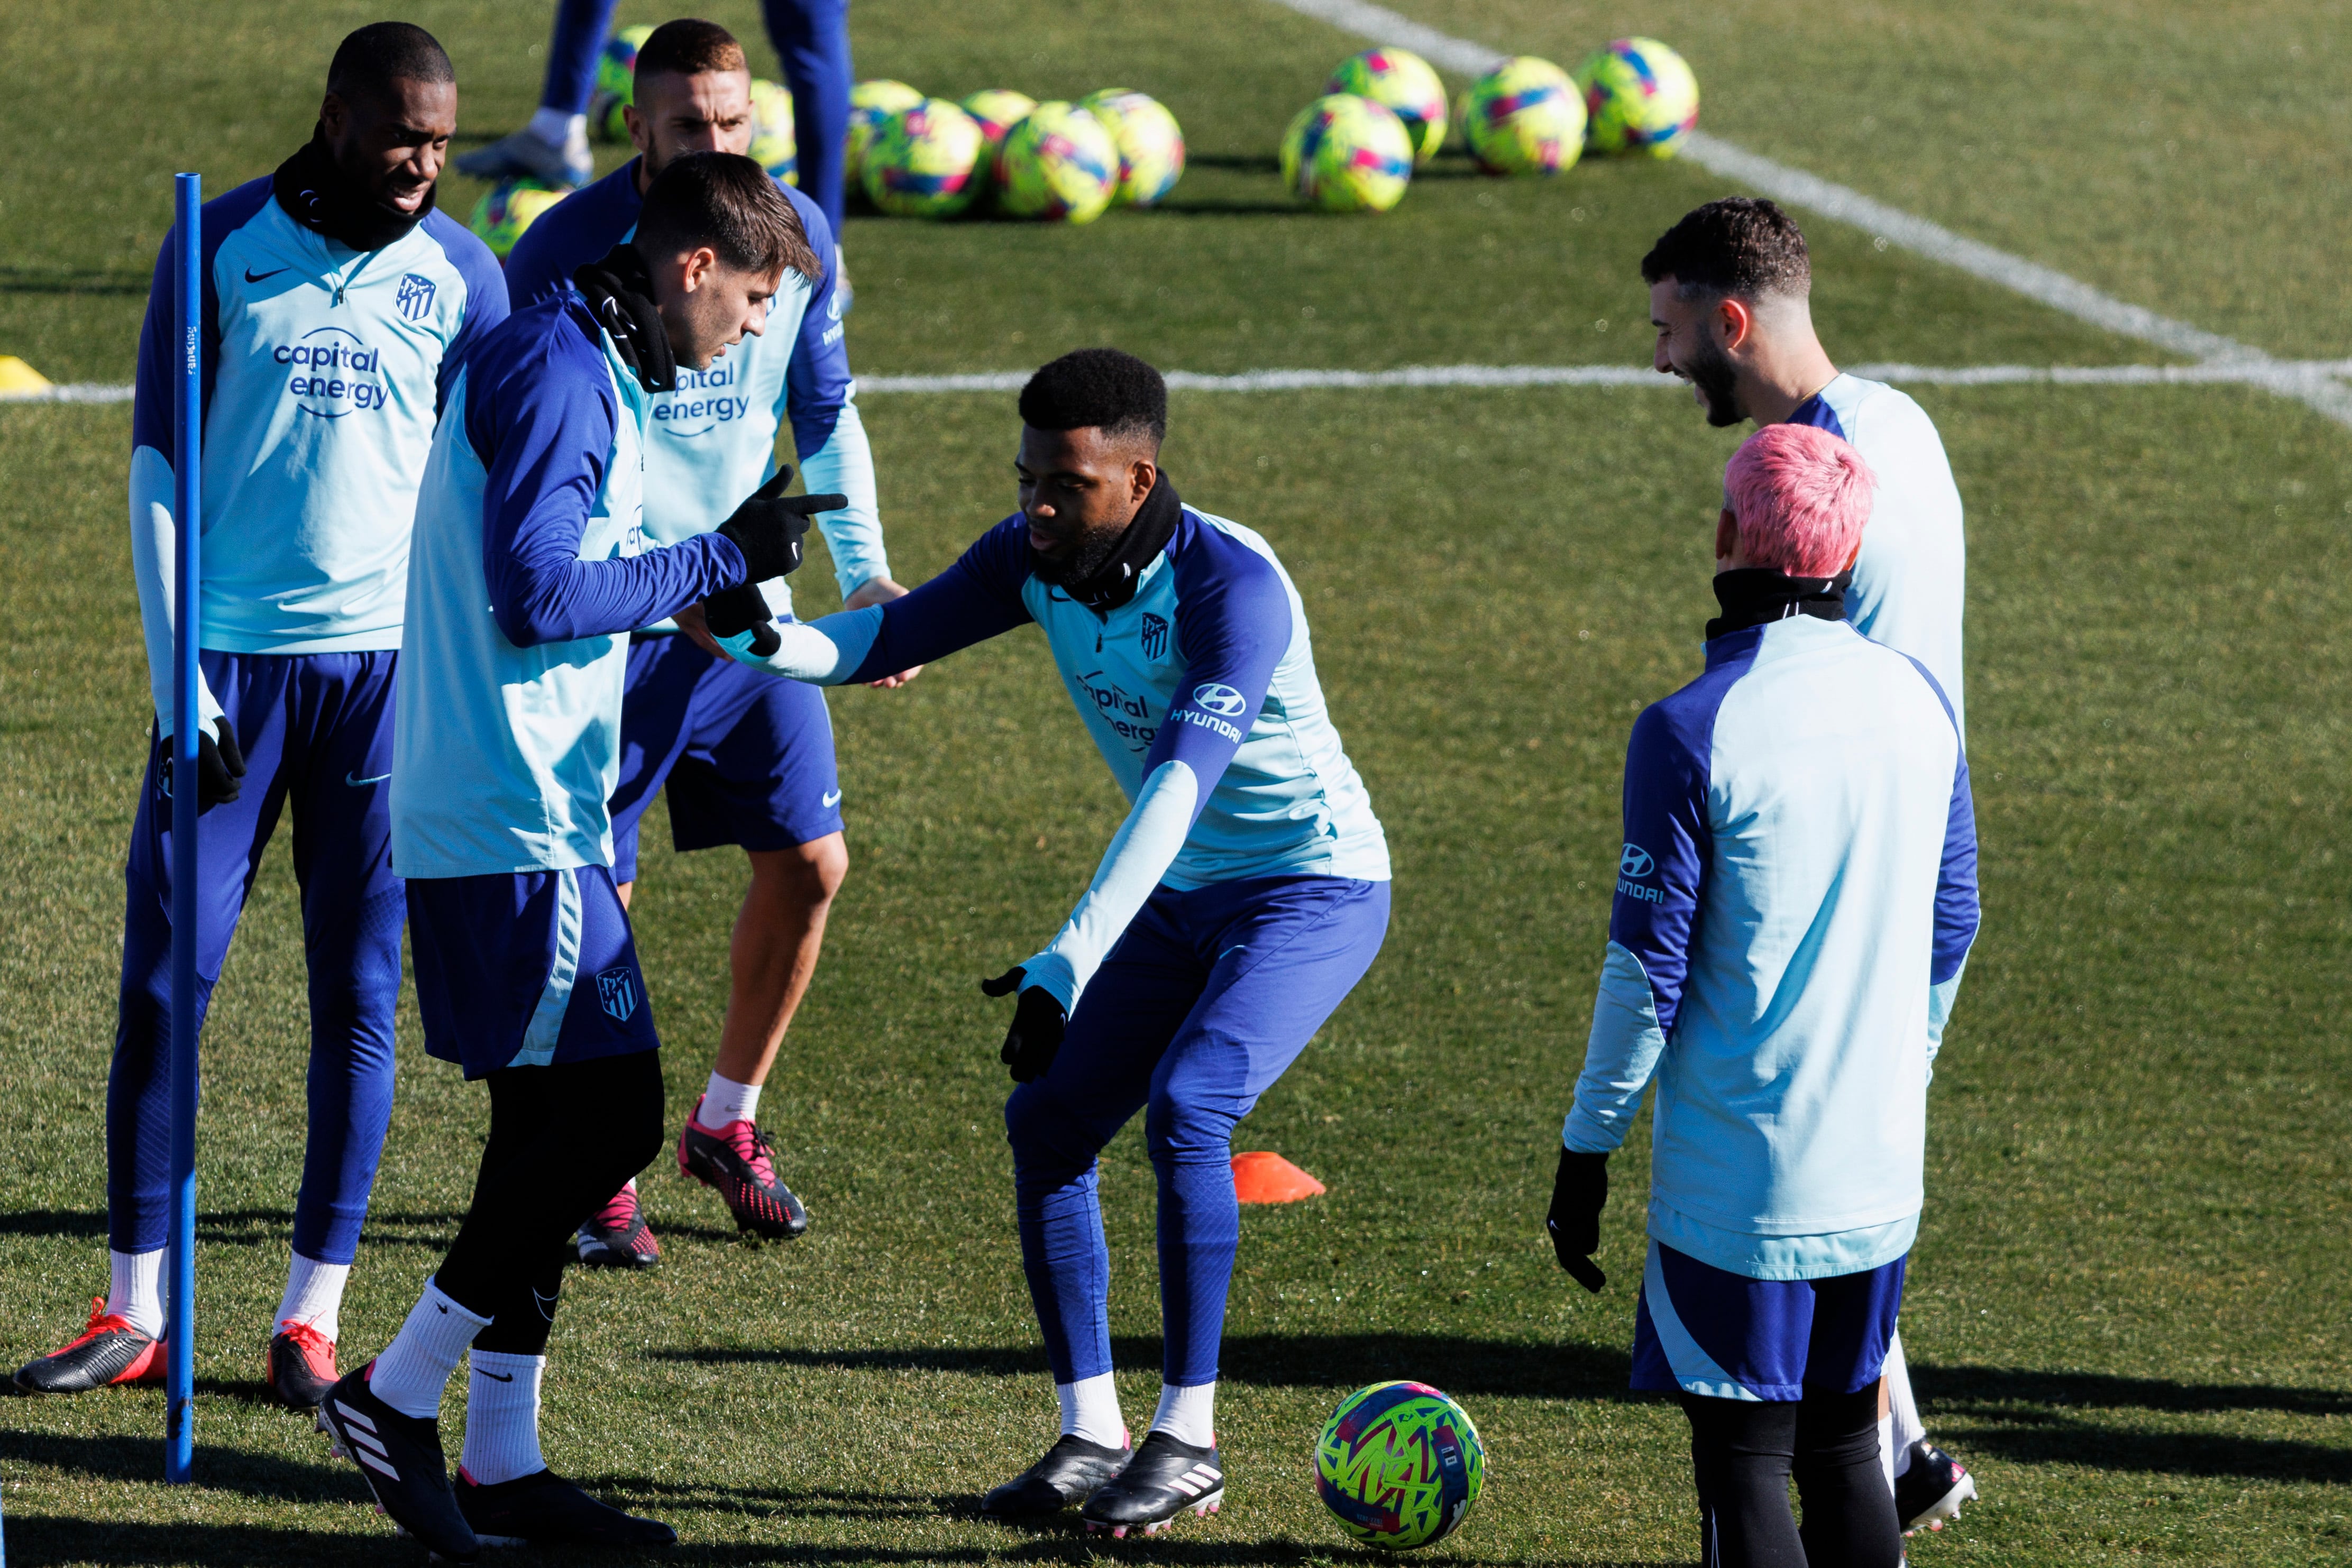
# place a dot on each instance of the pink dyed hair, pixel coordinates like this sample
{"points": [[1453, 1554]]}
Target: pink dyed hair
{"points": [[1800, 496]]}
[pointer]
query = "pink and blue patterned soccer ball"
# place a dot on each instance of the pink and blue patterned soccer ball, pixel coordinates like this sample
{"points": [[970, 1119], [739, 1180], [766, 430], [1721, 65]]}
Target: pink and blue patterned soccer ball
{"points": [[1525, 117], [1640, 96], [924, 162], [1150, 144], [1398, 1465], [1407, 84], [1058, 163], [1346, 154]]}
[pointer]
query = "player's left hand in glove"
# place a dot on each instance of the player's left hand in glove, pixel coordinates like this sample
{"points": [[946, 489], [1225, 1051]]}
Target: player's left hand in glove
{"points": [[768, 528], [220, 767], [1037, 1025], [1578, 1193]]}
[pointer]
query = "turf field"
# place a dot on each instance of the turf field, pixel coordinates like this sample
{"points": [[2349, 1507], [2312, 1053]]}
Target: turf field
{"points": [[2126, 1305]]}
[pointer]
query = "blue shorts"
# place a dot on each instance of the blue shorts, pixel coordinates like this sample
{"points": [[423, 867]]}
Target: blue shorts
{"points": [[526, 969], [1707, 1331], [747, 759]]}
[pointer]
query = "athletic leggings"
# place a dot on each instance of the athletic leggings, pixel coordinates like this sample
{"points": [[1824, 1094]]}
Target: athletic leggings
{"points": [[1744, 1452], [563, 1140]]}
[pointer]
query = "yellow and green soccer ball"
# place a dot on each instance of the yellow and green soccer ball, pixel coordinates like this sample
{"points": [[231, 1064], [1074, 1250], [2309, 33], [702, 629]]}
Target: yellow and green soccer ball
{"points": [[1525, 117], [1346, 154], [1398, 1465], [1406, 84], [507, 209], [1150, 144], [775, 146], [870, 103], [1639, 97], [616, 83], [924, 162], [1058, 163], [997, 109]]}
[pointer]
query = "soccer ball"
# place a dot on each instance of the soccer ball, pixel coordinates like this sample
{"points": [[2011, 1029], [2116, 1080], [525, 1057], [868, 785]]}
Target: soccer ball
{"points": [[998, 110], [1346, 154], [870, 103], [616, 83], [1398, 1464], [924, 162], [1150, 144], [1525, 117], [507, 209], [1058, 163], [1639, 97], [773, 145], [1405, 83]]}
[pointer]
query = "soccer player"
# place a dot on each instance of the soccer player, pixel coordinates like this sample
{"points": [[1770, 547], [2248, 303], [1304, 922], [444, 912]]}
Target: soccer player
{"points": [[337, 303], [530, 571], [811, 39], [1795, 900], [1729, 294], [746, 759], [1244, 897]]}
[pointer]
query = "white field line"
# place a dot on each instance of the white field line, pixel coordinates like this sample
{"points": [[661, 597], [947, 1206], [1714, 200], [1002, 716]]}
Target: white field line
{"points": [[1784, 183], [2268, 373]]}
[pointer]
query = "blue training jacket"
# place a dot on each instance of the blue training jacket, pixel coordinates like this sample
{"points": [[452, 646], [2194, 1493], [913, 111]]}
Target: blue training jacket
{"points": [[1200, 692], [713, 441], [530, 569], [1796, 897], [325, 368]]}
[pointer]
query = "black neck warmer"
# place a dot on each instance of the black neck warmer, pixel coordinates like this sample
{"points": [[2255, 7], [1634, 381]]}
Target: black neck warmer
{"points": [[1113, 583], [1753, 595], [620, 294], [317, 194]]}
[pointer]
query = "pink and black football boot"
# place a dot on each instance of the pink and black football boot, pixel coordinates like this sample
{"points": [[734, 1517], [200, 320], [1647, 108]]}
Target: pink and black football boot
{"points": [[110, 1353], [302, 1365], [738, 1161], [616, 1235]]}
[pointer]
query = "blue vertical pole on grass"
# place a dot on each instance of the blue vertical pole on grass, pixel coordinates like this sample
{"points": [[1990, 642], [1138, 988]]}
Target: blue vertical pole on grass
{"points": [[187, 714]]}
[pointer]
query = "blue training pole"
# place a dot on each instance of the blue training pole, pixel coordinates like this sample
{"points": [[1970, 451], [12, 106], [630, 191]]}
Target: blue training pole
{"points": [[187, 515]]}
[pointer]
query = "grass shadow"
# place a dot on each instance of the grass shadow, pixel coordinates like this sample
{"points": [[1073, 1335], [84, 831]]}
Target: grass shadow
{"points": [[140, 1460], [72, 280], [1974, 1389]]}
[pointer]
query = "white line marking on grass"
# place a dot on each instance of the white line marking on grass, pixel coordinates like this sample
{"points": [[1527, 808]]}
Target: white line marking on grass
{"points": [[1784, 182], [2269, 373]]}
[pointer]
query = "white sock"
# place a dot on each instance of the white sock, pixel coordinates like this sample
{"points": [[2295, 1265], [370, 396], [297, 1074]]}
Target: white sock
{"points": [[1904, 1410], [502, 1417], [1187, 1414], [415, 1366], [1090, 1411], [558, 128], [725, 1101], [314, 1294], [134, 1288]]}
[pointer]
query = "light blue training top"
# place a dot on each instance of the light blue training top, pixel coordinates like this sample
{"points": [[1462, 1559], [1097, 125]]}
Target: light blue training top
{"points": [[1795, 900]]}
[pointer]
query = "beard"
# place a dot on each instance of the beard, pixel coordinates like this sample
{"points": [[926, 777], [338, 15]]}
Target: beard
{"points": [[1093, 553], [1711, 370]]}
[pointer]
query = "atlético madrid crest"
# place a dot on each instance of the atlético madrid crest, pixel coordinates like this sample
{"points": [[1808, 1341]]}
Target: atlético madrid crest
{"points": [[415, 296], [616, 992], [1154, 635]]}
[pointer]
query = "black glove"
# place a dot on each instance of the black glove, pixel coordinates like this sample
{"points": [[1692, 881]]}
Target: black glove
{"points": [[220, 767], [1578, 1193], [769, 526], [1037, 1025]]}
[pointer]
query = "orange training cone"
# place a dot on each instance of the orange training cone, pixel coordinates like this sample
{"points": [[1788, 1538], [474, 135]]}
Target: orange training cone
{"points": [[1262, 1177]]}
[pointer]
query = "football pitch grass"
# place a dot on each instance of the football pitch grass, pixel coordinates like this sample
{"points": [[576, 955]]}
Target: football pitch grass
{"points": [[2126, 1310]]}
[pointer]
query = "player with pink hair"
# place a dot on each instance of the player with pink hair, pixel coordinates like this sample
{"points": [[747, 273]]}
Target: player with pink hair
{"points": [[1796, 896]]}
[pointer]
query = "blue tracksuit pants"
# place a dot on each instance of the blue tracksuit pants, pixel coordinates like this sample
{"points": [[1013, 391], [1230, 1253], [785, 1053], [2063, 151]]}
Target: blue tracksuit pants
{"points": [[1208, 999], [316, 731]]}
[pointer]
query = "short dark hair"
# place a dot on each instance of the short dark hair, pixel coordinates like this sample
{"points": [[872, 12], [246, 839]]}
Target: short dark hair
{"points": [[688, 47], [1105, 388], [1742, 245], [729, 203], [367, 61]]}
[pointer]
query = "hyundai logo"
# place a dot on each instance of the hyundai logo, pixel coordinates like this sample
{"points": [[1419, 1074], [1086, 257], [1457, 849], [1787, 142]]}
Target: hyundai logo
{"points": [[1221, 700], [1635, 862]]}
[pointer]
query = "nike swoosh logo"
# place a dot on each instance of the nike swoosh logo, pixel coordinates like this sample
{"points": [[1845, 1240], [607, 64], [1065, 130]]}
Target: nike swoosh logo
{"points": [[356, 782], [253, 277], [833, 799], [495, 1376]]}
